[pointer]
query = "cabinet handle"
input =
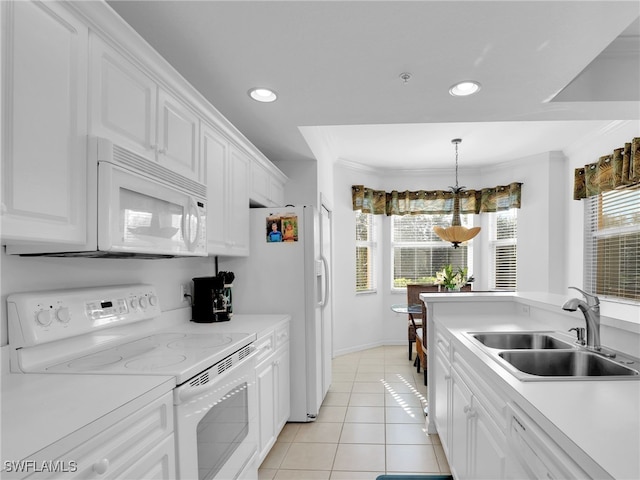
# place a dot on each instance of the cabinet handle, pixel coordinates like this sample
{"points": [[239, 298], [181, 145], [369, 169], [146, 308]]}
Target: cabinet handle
{"points": [[101, 466], [162, 151], [469, 411], [447, 376]]}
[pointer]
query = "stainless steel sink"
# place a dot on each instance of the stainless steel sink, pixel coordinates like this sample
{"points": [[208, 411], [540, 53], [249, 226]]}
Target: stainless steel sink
{"points": [[520, 340], [573, 363]]}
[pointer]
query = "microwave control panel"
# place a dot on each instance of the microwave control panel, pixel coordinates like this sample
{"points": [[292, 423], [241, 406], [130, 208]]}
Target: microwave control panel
{"points": [[41, 317]]}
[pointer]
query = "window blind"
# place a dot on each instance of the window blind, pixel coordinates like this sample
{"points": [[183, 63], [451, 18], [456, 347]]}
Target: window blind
{"points": [[612, 244], [418, 253], [365, 244], [503, 244]]}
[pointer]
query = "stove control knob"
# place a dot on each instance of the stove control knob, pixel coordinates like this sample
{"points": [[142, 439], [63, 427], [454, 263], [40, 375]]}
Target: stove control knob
{"points": [[153, 300], [43, 317], [134, 303], [63, 315], [144, 303]]}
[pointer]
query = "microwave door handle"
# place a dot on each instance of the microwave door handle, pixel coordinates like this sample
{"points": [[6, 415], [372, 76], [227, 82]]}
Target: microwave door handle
{"points": [[186, 227], [192, 209], [196, 212]]}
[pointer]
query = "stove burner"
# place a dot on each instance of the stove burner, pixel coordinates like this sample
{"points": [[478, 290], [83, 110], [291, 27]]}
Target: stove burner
{"points": [[155, 362], [201, 341], [94, 361]]}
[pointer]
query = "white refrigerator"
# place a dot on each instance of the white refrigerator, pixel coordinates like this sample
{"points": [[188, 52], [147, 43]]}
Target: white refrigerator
{"points": [[287, 271]]}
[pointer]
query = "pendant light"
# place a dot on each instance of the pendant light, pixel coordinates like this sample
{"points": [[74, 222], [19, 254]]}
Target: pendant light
{"points": [[456, 233]]}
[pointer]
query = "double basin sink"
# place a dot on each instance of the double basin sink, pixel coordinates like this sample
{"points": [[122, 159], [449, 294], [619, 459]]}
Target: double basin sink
{"points": [[544, 356]]}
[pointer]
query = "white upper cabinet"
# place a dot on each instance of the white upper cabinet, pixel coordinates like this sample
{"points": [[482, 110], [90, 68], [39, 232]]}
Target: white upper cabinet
{"points": [[267, 184], [131, 109], [178, 133], [44, 142], [227, 195], [238, 202], [123, 101]]}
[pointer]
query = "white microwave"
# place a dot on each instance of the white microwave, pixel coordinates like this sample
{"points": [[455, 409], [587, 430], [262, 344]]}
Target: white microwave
{"points": [[136, 208]]}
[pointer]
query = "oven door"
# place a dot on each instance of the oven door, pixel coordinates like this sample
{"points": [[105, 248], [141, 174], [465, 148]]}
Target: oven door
{"points": [[216, 421]]}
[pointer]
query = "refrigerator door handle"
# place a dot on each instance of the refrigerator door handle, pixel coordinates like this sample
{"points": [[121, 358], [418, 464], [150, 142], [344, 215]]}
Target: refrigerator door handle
{"points": [[325, 278]]}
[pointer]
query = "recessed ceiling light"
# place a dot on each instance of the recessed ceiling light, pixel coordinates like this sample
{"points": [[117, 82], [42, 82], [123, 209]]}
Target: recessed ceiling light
{"points": [[263, 95], [462, 89]]}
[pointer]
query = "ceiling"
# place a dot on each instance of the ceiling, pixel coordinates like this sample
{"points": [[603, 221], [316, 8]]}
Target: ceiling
{"points": [[552, 73]]}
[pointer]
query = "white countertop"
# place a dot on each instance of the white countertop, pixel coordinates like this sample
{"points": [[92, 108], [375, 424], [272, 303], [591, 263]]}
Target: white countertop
{"points": [[38, 410], [599, 418]]}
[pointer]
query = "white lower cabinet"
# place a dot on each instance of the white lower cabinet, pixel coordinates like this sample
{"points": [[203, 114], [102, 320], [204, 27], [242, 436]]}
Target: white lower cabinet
{"points": [[474, 443], [141, 445], [483, 431], [273, 386]]}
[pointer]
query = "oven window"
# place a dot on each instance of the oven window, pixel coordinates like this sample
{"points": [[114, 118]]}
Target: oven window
{"points": [[222, 430]]}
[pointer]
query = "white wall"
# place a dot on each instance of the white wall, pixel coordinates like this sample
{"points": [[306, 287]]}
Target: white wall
{"points": [[27, 274], [301, 188]]}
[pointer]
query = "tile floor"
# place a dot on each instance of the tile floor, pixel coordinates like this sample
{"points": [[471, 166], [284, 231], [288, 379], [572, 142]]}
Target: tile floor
{"points": [[370, 423]]}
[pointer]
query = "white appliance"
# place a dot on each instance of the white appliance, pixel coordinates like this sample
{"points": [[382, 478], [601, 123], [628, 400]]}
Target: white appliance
{"points": [[292, 277], [137, 208], [106, 331]]}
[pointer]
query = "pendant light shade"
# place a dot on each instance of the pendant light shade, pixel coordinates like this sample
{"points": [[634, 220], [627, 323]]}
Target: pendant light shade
{"points": [[456, 233]]}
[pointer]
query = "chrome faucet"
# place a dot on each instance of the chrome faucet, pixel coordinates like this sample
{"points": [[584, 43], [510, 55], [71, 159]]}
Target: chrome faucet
{"points": [[591, 311]]}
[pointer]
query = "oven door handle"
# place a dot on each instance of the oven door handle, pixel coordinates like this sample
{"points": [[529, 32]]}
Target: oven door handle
{"points": [[187, 391]]}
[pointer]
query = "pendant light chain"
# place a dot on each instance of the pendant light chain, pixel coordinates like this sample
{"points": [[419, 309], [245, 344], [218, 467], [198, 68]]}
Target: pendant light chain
{"points": [[456, 141]]}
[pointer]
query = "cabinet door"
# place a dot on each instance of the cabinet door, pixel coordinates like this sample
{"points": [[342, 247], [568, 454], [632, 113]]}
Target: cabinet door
{"points": [[442, 376], [488, 453], [123, 101], [215, 160], [44, 141], [237, 197], [460, 411], [157, 464], [283, 395], [266, 398], [260, 184], [178, 134]]}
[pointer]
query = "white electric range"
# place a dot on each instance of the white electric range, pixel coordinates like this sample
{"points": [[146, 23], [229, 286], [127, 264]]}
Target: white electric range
{"points": [[110, 330]]}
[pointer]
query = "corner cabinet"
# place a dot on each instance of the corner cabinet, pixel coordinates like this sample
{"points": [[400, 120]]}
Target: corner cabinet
{"points": [[273, 377], [226, 173], [44, 123]]}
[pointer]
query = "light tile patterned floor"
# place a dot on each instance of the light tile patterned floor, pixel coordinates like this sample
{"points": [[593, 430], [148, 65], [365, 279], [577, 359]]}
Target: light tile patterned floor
{"points": [[370, 423]]}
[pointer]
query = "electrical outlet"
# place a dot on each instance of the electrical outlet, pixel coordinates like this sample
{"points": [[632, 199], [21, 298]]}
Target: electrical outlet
{"points": [[524, 310], [185, 292]]}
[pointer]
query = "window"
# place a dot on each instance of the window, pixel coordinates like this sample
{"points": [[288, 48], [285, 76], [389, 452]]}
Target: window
{"points": [[418, 253], [503, 236], [612, 244], [365, 245]]}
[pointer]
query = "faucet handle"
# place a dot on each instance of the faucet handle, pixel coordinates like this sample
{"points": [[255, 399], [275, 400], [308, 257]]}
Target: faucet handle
{"points": [[592, 300]]}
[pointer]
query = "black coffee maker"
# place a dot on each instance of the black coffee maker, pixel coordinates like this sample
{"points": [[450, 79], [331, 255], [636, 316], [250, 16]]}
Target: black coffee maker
{"points": [[212, 301]]}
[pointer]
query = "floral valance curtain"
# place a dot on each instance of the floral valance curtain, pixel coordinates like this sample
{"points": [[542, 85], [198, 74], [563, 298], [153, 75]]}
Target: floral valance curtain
{"points": [[502, 197], [617, 170]]}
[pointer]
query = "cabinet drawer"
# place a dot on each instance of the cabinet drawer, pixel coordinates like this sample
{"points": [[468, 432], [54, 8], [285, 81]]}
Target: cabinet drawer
{"points": [[108, 453], [265, 345], [282, 335]]}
